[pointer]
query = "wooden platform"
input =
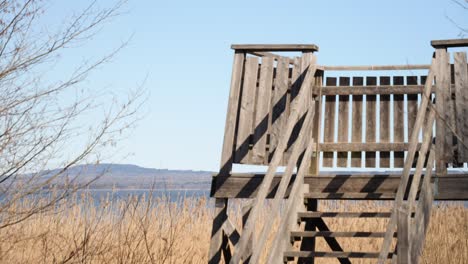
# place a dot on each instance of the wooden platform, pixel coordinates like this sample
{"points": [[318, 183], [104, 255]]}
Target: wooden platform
{"points": [[343, 185]]}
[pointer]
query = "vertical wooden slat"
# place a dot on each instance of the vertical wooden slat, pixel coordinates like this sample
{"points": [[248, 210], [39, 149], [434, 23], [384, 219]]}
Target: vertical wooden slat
{"points": [[329, 122], [356, 134], [246, 113], [227, 155], [461, 104], [217, 234], [316, 129], [245, 215], [403, 235], [279, 103], [262, 107], [294, 91], [442, 105], [343, 120], [371, 120], [384, 123], [398, 123], [412, 106]]}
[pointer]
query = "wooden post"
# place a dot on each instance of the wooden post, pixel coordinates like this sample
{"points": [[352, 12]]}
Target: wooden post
{"points": [[217, 234], [403, 229], [442, 74], [245, 215]]}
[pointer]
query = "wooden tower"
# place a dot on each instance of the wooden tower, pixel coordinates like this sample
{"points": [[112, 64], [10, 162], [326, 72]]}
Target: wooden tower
{"points": [[398, 136]]}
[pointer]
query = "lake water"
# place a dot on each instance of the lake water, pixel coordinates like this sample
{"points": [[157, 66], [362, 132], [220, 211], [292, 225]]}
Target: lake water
{"points": [[173, 195]]}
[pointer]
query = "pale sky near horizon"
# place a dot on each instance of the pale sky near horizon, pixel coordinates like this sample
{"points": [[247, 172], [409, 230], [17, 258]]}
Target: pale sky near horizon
{"points": [[183, 47]]}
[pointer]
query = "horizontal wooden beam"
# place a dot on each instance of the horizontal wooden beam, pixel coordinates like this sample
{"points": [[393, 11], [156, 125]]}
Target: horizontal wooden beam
{"points": [[449, 43], [269, 54], [343, 147], [372, 186], [373, 89], [275, 47], [377, 67]]}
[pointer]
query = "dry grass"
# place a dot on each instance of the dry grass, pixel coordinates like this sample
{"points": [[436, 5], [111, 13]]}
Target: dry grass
{"points": [[155, 230]]}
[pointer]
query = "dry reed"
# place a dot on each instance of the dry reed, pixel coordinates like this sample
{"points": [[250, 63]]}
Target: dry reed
{"points": [[156, 230]]}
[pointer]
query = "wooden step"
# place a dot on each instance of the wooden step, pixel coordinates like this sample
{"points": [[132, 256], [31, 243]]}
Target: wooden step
{"points": [[296, 235], [290, 255], [303, 215], [350, 196]]}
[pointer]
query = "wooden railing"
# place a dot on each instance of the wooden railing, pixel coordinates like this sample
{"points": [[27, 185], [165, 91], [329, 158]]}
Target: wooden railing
{"points": [[302, 105]]}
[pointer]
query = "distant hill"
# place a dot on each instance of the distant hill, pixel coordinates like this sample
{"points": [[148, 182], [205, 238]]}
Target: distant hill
{"points": [[128, 176]]}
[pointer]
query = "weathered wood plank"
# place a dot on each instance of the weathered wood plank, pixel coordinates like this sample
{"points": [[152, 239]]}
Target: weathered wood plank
{"points": [[246, 113], [451, 187], [384, 136], [371, 121], [280, 103], [296, 82], [372, 147], [307, 234], [461, 104], [263, 99], [449, 43], [443, 154], [374, 90], [303, 215], [227, 154], [412, 100], [217, 233], [398, 124], [377, 67], [336, 254], [316, 128], [403, 245], [329, 122], [275, 47], [356, 124], [343, 123]]}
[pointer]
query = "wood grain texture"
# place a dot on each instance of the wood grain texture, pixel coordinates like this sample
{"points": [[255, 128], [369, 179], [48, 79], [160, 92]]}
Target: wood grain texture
{"points": [[374, 89], [296, 82], [384, 136], [377, 67], [398, 123], [371, 122], [412, 103], [227, 154], [442, 100], [356, 124], [343, 123], [279, 104], [449, 43], [461, 104], [275, 47], [246, 113], [329, 122], [263, 99]]}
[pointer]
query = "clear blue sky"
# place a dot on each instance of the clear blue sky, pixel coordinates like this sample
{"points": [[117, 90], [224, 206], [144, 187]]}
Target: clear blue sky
{"points": [[184, 48]]}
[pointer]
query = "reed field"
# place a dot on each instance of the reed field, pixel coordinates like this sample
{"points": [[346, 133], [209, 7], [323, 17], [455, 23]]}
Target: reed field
{"points": [[158, 230]]}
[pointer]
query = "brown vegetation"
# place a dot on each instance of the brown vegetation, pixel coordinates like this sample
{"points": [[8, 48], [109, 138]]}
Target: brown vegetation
{"points": [[156, 230]]}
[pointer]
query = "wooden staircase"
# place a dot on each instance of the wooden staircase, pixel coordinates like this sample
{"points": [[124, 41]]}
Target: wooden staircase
{"points": [[289, 105], [316, 227]]}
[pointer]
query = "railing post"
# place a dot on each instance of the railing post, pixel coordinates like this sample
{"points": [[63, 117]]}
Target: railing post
{"points": [[403, 229]]}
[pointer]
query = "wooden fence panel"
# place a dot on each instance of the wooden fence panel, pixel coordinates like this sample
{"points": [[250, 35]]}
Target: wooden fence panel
{"points": [[384, 123], [294, 90], [343, 123], [356, 134], [371, 121], [329, 122], [398, 123]]}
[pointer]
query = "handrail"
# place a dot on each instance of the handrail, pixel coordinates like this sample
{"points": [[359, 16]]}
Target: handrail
{"points": [[297, 109], [276, 47], [377, 67], [413, 141], [303, 140], [449, 43]]}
